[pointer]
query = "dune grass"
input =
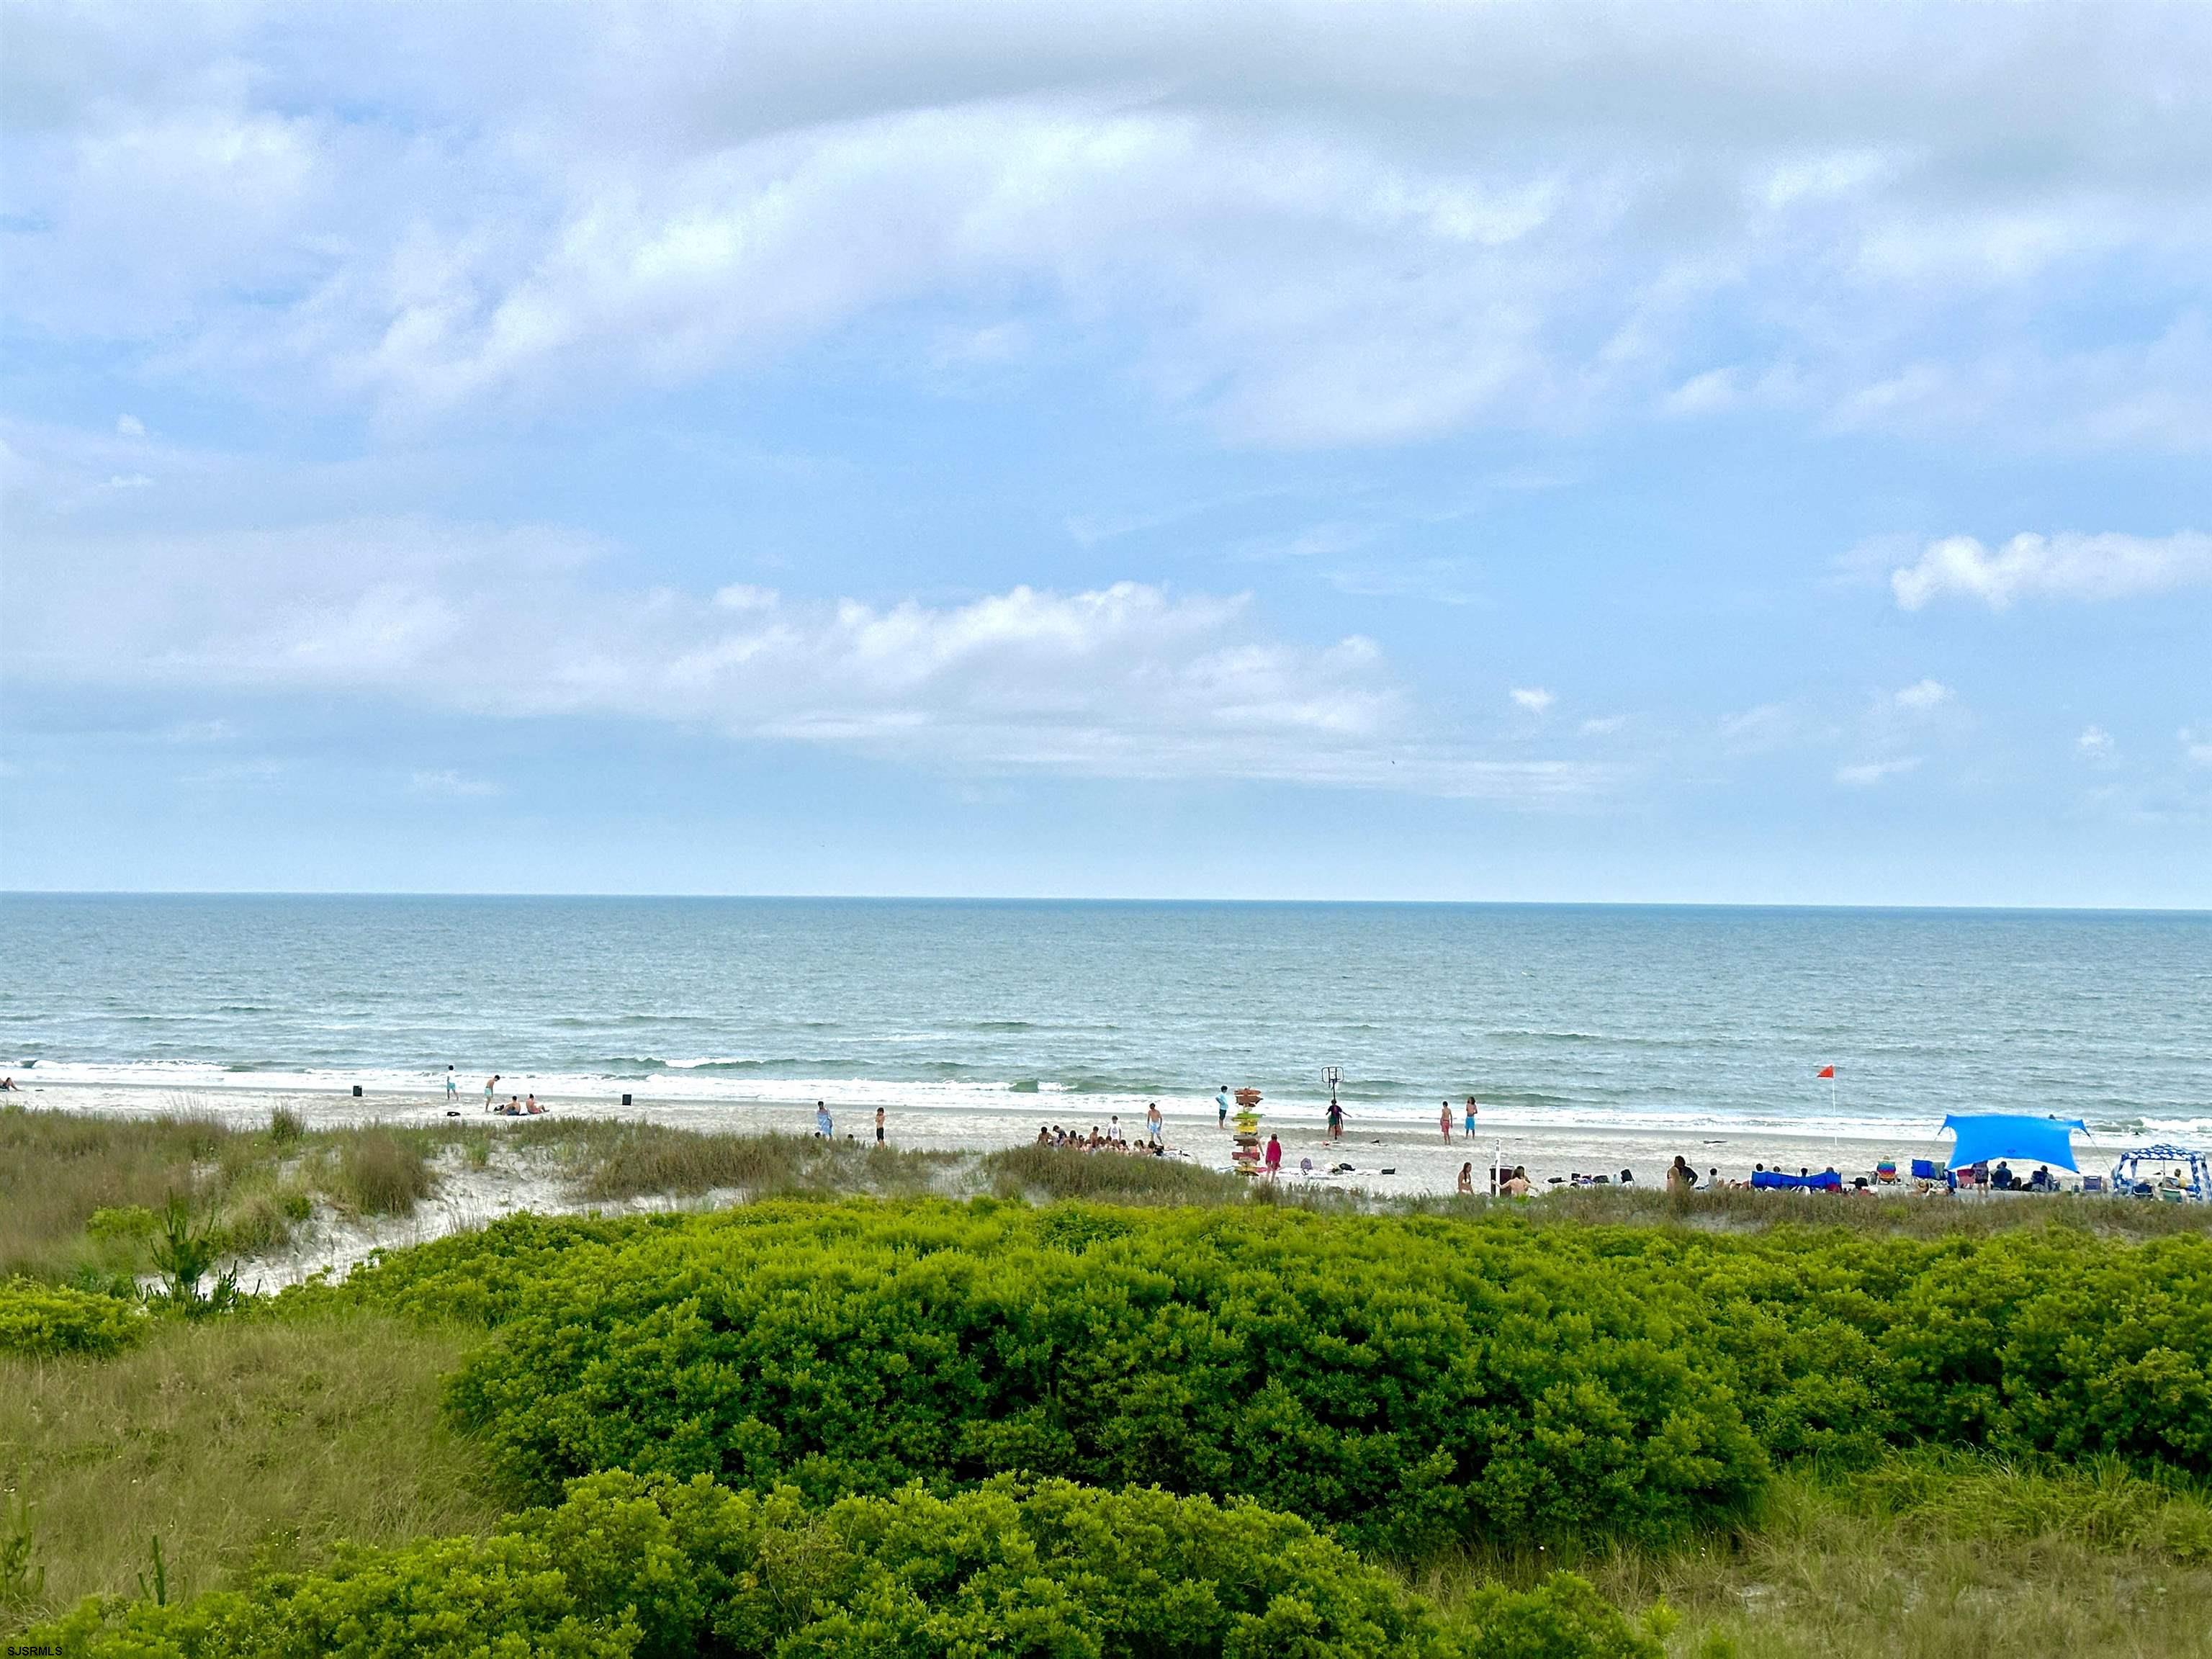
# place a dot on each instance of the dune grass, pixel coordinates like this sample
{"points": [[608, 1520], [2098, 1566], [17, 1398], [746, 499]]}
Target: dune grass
{"points": [[232, 1442], [80, 1195], [1925, 1555], [1047, 1173], [382, 1173], [1900, 1215], [606, 1161]]}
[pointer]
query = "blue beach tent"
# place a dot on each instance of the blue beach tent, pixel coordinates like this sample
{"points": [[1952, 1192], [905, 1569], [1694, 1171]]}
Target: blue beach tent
{"points": [[1827, 1182], [1985, 1136]]}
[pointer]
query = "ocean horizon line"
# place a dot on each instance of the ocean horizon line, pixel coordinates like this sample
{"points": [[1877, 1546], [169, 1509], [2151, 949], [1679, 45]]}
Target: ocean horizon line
{"points": [[1123, 901]]}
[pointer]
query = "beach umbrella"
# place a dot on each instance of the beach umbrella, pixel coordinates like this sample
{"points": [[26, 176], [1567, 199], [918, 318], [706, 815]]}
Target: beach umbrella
{"points": [[1985, 1136]]}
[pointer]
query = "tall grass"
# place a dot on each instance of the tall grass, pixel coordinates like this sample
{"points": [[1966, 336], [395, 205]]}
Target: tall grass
{"points": [[57, 1169], [1894, 1215], [610, 1161], [1063, 1172], [1927, 1555], [230, 1441], [380, 1172], [81, 1196]]}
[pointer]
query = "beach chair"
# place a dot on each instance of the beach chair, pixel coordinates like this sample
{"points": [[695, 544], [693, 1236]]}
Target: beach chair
{"points": [[2093, 1183]]}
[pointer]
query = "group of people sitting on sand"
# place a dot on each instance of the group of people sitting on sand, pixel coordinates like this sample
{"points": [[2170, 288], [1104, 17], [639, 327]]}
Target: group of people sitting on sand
{"points": [[1152, 1144]]}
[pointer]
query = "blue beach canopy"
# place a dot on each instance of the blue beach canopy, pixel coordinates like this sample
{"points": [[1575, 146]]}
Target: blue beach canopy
{"points": [[1985, 1137]]}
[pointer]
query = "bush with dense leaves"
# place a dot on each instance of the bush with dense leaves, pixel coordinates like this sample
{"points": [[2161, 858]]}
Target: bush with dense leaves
{"points": [[658, 1568], [40, 1320], [1414, 1381], [1415, 1388]]}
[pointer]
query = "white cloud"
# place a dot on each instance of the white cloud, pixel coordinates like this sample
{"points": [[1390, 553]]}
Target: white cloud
{"points": [[451, 785], [2195, 747], [130, 426], [1533, 698], [2066, 566], [1602, 726], [1870, 772], [1377, 226], [2094, 744], [1768, 726], [1924, 697], [1129, 680]]}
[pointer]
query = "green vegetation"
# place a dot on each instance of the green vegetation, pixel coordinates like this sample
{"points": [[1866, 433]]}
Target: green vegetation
{"points": [[1417, 1384], [380, 1172], [608, 1161], [44, 1320], [1202, 1419], [656, 1568], [1935, 1556], [1043, 1174], [233, 1441], [92, 1201]]}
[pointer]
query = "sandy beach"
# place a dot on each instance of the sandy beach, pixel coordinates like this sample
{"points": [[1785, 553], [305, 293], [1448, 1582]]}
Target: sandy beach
{"points": [[1392, 1158]]}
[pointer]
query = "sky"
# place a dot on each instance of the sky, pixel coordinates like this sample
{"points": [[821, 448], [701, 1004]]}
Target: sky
{"points": [[1483, 451]]}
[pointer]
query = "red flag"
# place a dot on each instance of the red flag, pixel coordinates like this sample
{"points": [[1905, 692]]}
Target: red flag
{"points": [[1826, 1071]]}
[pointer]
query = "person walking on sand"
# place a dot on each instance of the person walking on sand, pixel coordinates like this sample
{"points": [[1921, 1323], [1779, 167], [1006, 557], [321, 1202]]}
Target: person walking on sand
{"points": [[823, 1126], [1221, 1107], [453, 1088], [1472, 1108], [1443, 1121], [1335, 1120], [1275, 1155], [879, 1126], [490, 1083]]}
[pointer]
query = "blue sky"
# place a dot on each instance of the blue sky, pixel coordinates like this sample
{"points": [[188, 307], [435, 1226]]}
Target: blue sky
{"points": [[1445, 452]]}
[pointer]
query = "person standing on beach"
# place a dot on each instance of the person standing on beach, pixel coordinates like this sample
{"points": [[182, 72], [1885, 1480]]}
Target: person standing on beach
{"points": [[490, 1083], [1221, 1106], [1275, 1155], [1155, 1127], [823, 1126], [1444, 1122], [453, 1088], [1335, 1120], [1472, 1108], [879, 1126]]}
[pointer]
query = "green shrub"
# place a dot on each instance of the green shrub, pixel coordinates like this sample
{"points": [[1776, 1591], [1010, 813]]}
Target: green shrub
{"points": [[38, 1320], [127, 1222], [659, 1568], [1418, 1383], [1459, 1383]]}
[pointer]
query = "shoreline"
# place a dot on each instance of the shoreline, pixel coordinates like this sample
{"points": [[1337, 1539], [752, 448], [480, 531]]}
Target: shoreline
{"points": [[1389, 1159]]}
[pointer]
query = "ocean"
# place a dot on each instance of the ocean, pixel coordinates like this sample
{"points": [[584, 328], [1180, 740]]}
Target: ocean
{"points": [[1644, 1018]]}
